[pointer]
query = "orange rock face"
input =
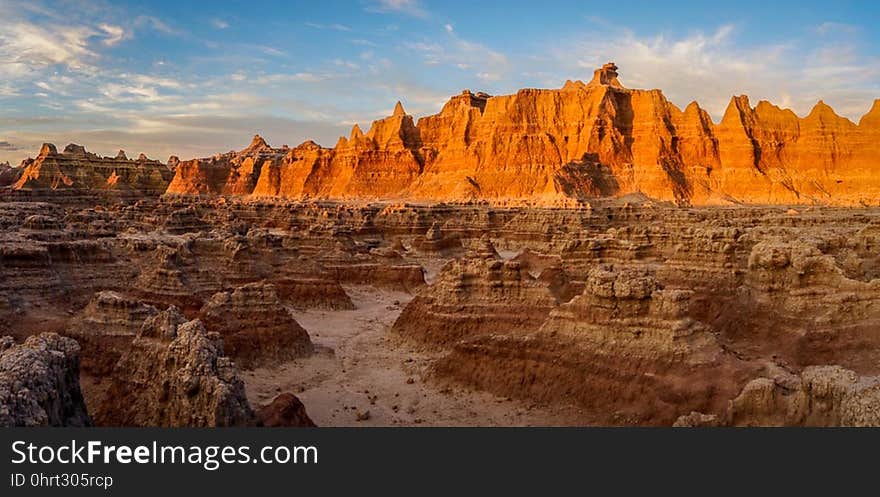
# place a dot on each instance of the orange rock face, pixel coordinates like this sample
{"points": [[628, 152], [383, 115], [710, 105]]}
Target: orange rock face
{"points": [[233, 173], [77, 170], [559, 147]]}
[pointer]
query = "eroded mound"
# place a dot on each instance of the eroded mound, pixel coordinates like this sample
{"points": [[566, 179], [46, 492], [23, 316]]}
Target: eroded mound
{"points": [[478, 294], [256, 328]]}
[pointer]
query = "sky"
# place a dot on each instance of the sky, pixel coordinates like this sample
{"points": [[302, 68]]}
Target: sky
{"points": [[194, 78]]}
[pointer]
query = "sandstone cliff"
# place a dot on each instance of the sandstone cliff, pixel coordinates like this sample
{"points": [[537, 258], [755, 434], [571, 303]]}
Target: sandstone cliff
{"points": [[563, 146], [232, 173]]}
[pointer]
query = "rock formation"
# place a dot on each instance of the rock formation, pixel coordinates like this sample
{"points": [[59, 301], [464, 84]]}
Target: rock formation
{"points": [[105, 329], [39, 383], [562, 147], [605, 76], [625, 344], [437, 242], [627, 311], [8, 174], [175, 374], [805, 308], [78, 172], [479, 294], [819, 396], [233, 173], [284, 410], [256, 327]]}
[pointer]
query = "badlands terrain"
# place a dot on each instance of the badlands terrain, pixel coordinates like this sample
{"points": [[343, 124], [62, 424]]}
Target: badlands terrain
{"points": [[590, 255]]}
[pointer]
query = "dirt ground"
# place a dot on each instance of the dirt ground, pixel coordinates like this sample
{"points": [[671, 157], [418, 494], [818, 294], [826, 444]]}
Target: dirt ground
{"points": [[363, 375]]}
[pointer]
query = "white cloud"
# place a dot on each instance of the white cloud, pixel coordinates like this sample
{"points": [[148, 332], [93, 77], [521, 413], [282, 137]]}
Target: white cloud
{"points": [[23, 43], [114, 34], [151, 80], [219, 23], [345, 63], [274, 52], [366, 43], [307, 77], [117, 93], [27, 48]]}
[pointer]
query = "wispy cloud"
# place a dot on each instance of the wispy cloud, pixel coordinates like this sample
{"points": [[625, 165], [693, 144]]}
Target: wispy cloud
{"points": [[409, 7], [219, 23], [114, 34], [26, 47], [154, 23], [712, 66], [333, 26], [363, 42], [271, 51], [455, 51], [830, 27], [304, 77]]}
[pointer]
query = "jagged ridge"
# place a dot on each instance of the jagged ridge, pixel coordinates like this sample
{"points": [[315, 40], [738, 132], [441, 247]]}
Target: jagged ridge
{"points": [[578, 142]]}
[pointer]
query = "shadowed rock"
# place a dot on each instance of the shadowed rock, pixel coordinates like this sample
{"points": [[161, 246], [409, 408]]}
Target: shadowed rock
{"points": [[39, 383]]}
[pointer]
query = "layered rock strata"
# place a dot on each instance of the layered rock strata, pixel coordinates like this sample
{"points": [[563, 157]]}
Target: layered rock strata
{"points": [[819, 396], [77, 172], [624, 346], [478, 294], [256, 327], [637, 311], [106, 328], [560, 147]]}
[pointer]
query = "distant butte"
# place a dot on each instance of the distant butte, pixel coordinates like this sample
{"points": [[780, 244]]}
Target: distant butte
{"points": [[538, 147], [562, 147]]}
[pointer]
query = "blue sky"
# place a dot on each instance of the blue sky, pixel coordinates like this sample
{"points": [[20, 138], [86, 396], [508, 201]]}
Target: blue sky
{"points": [[194, 77]]}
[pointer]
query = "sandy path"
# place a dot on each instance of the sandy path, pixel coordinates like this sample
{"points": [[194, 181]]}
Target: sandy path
{"points": [[361, 368]]}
